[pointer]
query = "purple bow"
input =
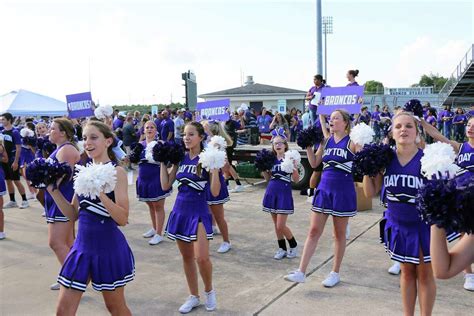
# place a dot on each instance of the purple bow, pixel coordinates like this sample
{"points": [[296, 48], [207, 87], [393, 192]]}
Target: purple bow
{"points": [[279, 131]]}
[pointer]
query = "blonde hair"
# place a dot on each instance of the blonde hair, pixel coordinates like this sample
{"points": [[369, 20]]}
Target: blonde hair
{"points": [[216, 128], [346, 118], [403, 113]]}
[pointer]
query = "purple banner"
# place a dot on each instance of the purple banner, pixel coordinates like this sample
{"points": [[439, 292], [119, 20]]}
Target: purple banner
{"points": [[80, 105], [348, 98], [213, 110]]}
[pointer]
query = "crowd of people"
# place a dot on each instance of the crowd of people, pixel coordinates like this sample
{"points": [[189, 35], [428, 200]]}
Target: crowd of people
{"points": [[198, 208]]}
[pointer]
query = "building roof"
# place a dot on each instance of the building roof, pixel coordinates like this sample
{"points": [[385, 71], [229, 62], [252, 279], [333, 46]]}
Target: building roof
{"points": [[253, 89]]}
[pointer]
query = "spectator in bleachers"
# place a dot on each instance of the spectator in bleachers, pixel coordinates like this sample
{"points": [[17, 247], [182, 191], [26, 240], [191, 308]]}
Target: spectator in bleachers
{"points": [[426, 108], [375, 119], [431, 119], [459, 123], [364, 116], [247, 121], [167, 127], [447, 118]]}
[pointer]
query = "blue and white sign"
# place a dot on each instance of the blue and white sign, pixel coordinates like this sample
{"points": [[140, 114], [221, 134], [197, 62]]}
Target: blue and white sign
{"points": [[80, 105], [213, 110]]}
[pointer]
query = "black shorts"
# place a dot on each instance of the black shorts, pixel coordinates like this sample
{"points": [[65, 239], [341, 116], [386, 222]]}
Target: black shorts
{"points": [[230, 154], [9, 173]]}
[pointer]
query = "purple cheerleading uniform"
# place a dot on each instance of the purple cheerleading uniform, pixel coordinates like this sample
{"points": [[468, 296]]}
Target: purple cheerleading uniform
{"points": [[26, 156], [223, 196], [53, 213], [278, 198], [403, 232], [336, 193], [148, 181], [100, 251], [190, 207]]}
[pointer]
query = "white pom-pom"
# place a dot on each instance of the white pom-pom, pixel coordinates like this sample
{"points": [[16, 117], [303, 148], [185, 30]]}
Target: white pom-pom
{"points": [[212, 158], [218, 142], [292, 159], [92, 179], [149, 151], [362, 134], [438, 160], [103, 111], [80, 147], [26, 132]]}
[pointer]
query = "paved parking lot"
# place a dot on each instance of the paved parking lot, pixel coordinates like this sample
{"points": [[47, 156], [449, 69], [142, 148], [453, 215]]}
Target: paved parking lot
{"points": [[247, 279]]}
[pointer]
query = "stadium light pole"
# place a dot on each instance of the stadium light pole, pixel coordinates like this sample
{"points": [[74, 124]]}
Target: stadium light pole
{"points": [[327, 29], [319, 41]]}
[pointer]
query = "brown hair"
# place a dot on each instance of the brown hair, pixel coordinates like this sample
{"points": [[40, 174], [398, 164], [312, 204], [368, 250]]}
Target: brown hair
{"points": [[354, 73], [65, 125], [346, 117], [105, 130], [216, 128]]}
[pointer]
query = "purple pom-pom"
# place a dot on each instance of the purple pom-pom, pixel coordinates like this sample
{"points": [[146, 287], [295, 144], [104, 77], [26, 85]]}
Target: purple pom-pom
{"points": [[29, 141], [136, 153], [414, 106], [39, 143], [372, 160], [43, 172], [265, 160], [448, 204], [160, 152], [310, 136], [176, 153]]}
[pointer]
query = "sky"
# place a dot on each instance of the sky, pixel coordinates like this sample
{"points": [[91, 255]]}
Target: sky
{"points": [[133, 52]]}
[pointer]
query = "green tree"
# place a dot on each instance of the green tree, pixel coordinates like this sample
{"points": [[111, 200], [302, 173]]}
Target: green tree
{"points": [[432, 80], [373, 87]]}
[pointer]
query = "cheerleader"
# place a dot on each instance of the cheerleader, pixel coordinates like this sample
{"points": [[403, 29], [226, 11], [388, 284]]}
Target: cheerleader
{"points": [[448, 263], [3, 189], [405, 235], [41, 130], [334, 196], [278, 200], [100, 253], [60, 228], [216, 204], [465, 160], [27, 153], [149, 187], [190, 222]]}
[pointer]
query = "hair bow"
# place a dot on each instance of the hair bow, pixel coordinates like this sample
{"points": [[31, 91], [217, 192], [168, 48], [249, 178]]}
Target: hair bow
{"points": [[279, 131]]}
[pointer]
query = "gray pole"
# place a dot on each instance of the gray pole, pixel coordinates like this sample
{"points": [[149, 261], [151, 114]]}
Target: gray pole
{"points": [[319, 39], [325, 56]]}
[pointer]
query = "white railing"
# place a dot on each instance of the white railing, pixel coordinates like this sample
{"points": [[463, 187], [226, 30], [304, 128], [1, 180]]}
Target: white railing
{"points": [[458, 73]]}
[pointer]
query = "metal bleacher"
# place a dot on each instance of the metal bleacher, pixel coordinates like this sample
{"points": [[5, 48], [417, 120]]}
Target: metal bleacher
{"points": [[459, 89]]}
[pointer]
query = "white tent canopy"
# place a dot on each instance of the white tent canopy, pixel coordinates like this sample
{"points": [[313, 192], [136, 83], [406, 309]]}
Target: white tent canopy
{"points": [[27, 103]]}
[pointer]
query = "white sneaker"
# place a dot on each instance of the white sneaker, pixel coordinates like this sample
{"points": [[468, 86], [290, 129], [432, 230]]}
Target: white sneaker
{"points": [[44, 214], [395, 268], [2, 235], [224, 247], [211, 301], [24, 204], [149, 233], [292, 253], [54, 286], [10, 204], [31, 196], [237, 189], [280, 254], [348, 232], [190, 303], [469, 281], [296, 276], [155, 240], [332, 279], [215, 231]]}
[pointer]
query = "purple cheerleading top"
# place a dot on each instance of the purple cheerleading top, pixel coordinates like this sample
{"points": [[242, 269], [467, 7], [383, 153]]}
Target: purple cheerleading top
{"points": [[312, 90], [279, 175], [350, 84], [338, 157], [401, 185], [190, 185], [465, 159]]}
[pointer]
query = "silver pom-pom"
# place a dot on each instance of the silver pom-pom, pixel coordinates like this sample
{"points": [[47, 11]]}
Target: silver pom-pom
{"points": [[103, 111], [218, 142], [26, 132], [362, 134], [291, 160], [92, 179], [212, 158], [149, 151], [438, 160]]}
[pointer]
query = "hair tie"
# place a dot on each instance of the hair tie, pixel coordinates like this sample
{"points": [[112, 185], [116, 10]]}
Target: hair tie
{"points": [[279, 131]]}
